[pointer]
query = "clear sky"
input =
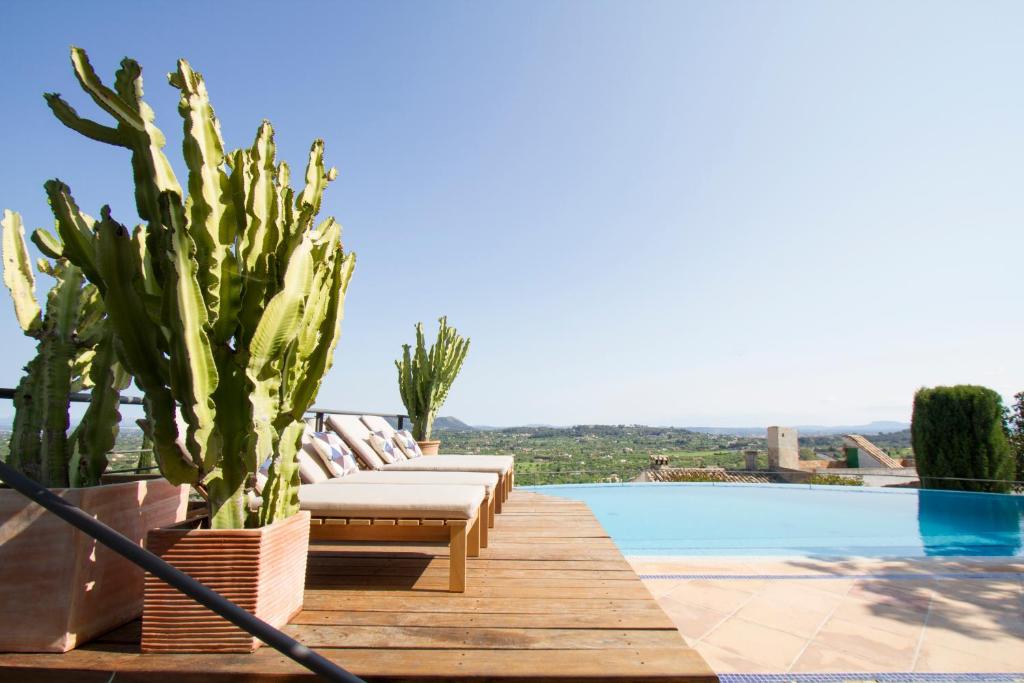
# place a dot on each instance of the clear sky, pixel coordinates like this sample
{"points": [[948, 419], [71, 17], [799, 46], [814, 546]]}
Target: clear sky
{"points": [[716, 213]]}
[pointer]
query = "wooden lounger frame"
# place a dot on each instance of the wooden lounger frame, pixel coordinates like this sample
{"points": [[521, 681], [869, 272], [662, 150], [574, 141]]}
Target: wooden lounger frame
{"points": [[464, 537]]}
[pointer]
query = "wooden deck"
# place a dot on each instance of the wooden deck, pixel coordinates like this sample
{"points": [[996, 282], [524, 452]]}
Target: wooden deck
{"points": [[551, 599]]}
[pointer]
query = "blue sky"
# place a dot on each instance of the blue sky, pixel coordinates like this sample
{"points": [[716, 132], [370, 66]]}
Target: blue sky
{"points": [[731, 213]]}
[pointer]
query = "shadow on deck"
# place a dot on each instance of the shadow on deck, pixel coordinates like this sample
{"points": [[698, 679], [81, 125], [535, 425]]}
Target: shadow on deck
{"points": [[551, 599]]}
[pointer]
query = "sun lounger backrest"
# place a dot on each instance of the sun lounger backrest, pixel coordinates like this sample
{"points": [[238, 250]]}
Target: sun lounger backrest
{"points": [[354, 433], [376, 423]]}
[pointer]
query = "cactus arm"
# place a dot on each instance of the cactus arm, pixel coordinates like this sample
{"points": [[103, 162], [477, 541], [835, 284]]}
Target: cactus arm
{"points": [[67, 115], [307, 383], [55, 381], [278, 327], [118, 260], [25, 442], [261, 199], [210, 214], [18, 274], [104, 97], [281, 497], [48, 243], [316, 179], [97, 432], [75, 228], [193, 370]]}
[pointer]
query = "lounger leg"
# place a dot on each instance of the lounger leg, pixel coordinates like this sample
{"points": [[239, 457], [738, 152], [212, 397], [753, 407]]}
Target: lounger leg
{"points": [[473, 538], [490, 511], [499, 493], [457, 557], [483, 518]]}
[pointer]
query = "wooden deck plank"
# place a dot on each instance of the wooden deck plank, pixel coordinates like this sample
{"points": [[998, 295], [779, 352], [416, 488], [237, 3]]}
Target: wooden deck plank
{"points": [[550, 599]]}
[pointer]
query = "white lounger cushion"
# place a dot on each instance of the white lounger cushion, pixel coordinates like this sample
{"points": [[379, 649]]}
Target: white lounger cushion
{"points": [[495, 464], [353, 432], [398, 501], [487, 480]]}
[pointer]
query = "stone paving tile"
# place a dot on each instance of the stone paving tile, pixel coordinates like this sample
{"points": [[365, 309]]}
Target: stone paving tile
{"points": [[720, 596], [887, 617], [870, 644], [769, 647], [801, 620], [693, 621], [724, 661], [934, 658], [819, 658], [992, 646]]}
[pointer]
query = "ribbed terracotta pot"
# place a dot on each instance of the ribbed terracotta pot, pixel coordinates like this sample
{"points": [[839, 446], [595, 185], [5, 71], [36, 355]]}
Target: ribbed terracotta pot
{"points": [[60, 588], [261, 570], [429, 447]]}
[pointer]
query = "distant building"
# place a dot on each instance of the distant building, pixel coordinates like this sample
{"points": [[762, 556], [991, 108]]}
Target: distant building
{"points": [[783, 448], [862, 453]]}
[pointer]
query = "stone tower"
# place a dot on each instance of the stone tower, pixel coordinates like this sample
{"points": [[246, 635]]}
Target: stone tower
{"points": [[783, 448]]}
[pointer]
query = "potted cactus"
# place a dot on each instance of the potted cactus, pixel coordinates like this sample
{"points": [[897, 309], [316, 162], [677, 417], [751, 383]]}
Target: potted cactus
{"points": [[73, 588], [425, 377], [226, 306]]}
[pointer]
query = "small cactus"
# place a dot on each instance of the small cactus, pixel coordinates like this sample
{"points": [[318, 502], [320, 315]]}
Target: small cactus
{"points": [[424, 377]]}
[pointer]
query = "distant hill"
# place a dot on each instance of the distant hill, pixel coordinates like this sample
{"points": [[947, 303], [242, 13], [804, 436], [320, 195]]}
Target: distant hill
{"points": [[877, 427], [452, 424]]}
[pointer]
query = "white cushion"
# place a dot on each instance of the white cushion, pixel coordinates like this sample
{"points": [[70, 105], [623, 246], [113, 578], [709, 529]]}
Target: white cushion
{"points": [[355, 434], [403, 439], [402, 501], [334, 454], [497, 464], [384, 448], [486, 479]]}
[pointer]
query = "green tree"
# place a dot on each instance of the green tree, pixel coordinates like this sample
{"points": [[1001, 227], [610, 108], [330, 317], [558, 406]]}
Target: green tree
{"points": [[1015, 431], [958, 432]]}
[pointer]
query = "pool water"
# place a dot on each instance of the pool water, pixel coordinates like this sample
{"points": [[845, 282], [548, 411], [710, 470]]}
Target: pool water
{"points": [[824, 521]]}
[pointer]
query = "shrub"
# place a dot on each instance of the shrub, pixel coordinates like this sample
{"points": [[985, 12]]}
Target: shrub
{"points": [[834, 480], [958, 434], [1015, 431]]}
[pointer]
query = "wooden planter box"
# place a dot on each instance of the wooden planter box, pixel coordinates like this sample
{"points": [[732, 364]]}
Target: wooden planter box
{"points": [[261, 570], [59, 587]]}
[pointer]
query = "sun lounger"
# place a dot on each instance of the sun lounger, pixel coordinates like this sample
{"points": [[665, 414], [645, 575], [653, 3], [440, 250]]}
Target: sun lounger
{"points": [[355, 433], [376, 423], [447, 514], [312, 470]]}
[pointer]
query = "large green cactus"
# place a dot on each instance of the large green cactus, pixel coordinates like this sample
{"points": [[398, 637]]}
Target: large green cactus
{"points": [[226, 305], [74, 351], [424, 377]]}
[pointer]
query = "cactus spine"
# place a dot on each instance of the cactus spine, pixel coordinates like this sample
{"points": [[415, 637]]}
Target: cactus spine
{"points": [[424, 377], [226, 304], [74, 351]]}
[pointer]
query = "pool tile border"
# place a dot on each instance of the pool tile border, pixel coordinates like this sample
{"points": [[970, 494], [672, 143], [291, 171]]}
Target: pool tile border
{"points": [[880, 677], [908, 576]]}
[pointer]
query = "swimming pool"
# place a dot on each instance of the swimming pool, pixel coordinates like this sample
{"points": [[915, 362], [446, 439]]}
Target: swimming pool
{"points": [[787, 519]]}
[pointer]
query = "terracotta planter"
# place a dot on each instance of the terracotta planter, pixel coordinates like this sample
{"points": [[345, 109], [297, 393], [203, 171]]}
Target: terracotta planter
{"points": [[260, 570], [58, 587], [429, 447]]}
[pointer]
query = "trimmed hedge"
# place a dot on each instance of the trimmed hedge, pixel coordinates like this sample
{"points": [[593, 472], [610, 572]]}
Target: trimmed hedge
{"points": [[958, 432]]}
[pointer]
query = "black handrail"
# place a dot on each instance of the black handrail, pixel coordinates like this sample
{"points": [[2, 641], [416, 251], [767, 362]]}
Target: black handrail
{"points": [[210, 599], [319, 413]]}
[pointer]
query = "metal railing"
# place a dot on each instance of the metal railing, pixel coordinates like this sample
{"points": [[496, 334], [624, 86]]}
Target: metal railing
{"points": [[320, 413]]}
